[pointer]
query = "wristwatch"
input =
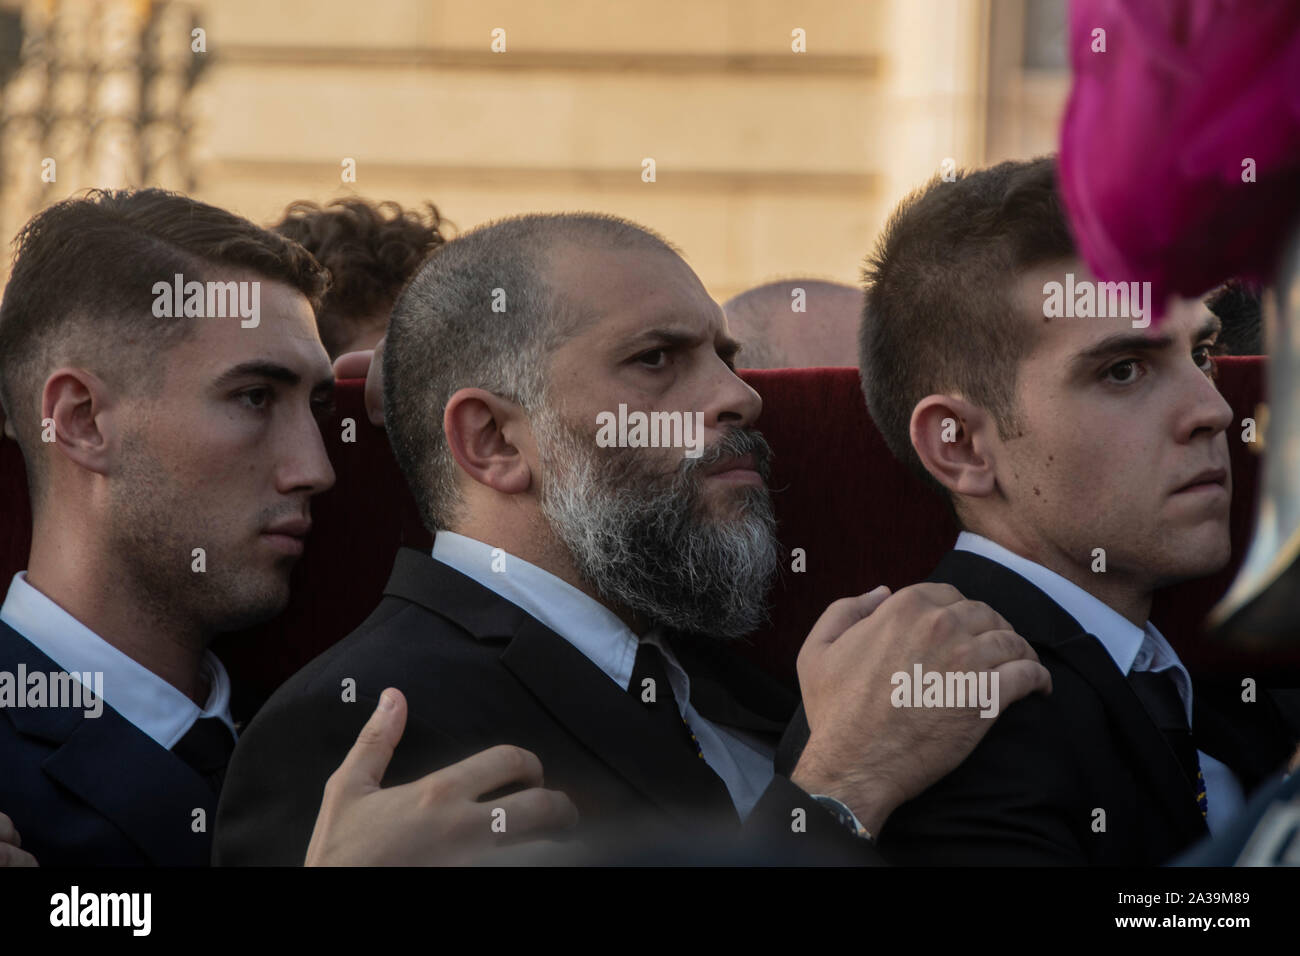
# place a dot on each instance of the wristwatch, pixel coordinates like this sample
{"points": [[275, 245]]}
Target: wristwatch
{"points": [[844, 815]]}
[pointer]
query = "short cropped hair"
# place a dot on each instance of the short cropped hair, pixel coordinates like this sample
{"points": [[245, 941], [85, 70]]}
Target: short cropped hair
{"points": [[1237, 304], [370, 250], [482, 312], [81, 291], [940, 313]]}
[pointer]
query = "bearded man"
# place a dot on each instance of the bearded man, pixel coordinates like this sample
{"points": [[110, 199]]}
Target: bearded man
{"points": [[579, 598]]}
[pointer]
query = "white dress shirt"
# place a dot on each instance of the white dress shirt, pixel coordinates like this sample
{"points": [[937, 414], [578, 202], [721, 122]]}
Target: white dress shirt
{"points": [[743, 762], [147, 701], [1132, 648]]}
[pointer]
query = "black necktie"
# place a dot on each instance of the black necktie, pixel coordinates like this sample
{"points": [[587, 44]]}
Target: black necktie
{"points": [[207, 747], [663, 710], [1159, 695]]}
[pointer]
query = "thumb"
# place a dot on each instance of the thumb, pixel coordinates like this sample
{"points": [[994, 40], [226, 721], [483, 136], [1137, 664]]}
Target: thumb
{"points": [[353, 364], [370, 755]]}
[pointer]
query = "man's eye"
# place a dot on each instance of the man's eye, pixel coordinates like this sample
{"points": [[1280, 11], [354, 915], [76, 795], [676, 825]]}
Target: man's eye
{"points": [[1123, 373], [655, 358], [323, 408], [256, 398], [1204, 358]]}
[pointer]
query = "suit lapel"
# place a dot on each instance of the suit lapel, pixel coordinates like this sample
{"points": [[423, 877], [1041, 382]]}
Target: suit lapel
{"points": [[613, 725], [110, 764], [1151, 754], [1043, 623], [1247, 736], [605, 718], [729, 690]]}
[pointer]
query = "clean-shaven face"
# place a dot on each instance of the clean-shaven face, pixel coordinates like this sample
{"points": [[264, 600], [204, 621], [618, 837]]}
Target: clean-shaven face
{"points": [[1122, 446], [226, 457]]}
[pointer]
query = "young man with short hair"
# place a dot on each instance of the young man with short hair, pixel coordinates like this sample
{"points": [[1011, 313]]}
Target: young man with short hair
{"points": [[1086, 460], [161, 370]]}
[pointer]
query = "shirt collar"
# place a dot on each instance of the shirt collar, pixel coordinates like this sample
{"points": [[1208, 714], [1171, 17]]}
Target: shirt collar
{"points": [[584, 622], [1124, 641], [152, 705]]}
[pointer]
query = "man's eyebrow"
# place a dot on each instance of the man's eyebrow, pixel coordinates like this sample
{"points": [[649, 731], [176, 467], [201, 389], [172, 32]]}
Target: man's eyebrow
{"points": [[675, 338], [259, 369], [1138, 342], [1123, 342]]}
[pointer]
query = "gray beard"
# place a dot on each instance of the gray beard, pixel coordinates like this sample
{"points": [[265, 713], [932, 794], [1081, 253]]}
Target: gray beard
{"points": [[644, 541]]}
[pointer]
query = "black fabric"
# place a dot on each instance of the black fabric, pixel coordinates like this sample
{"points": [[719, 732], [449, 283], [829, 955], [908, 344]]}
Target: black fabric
{"points": [[663, 707], [478, 671], [1080, 776], [728, 689], [207, 747], [96, 790], [1159, 695]]}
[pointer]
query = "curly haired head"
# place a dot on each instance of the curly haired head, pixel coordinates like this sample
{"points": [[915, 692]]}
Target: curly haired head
{"points": [[370, 250]]}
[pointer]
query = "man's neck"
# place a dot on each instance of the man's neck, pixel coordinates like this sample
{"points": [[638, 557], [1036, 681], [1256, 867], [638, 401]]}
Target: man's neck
{"points": [[80, 581], [1130, 600], [545, 552]]}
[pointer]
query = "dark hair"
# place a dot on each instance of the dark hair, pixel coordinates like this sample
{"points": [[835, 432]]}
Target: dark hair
{"points": [[1237, 304], [81, 289], [370, 249], [940, 313]]}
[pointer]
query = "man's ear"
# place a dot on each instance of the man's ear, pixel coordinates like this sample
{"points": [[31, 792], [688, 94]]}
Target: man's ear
{"points": [[80, 405], [952, 438], [479, 427]]}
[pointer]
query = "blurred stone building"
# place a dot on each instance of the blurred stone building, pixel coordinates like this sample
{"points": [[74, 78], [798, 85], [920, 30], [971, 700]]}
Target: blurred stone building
{"points": [[781, 132]]}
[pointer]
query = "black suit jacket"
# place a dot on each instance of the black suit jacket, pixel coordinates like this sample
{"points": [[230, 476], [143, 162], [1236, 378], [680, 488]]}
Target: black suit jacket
{"points": [[1031, 791], [478, 671], [95, 790]]}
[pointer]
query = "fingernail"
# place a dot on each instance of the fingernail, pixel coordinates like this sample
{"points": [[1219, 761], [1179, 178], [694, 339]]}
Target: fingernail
{"points": [[386, 701]]}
